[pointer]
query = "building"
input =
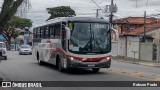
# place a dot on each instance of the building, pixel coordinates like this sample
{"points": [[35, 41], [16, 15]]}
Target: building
{"points": [[129, 24], [131, 41]]}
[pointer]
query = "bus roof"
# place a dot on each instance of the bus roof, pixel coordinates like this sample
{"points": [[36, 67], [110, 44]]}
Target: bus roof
{"points": [[73, 19]]}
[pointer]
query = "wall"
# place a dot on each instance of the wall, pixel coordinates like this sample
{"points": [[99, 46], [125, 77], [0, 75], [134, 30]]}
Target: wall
{"points": [[146, 51], [133, 47], [121, 46], [114, 51], [156, 35]]}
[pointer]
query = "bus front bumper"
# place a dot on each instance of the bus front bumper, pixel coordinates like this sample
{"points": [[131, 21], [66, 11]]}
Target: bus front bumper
{"points": [[77, 64]]}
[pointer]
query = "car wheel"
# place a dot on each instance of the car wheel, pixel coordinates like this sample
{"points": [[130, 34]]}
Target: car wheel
{"points": [[95, 69]]}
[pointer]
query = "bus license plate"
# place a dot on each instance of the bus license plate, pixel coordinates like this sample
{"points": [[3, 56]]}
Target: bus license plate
{"points": [[91, 65]]}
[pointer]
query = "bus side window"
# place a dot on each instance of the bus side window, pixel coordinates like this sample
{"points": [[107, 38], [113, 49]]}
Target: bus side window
{"points": [[44, 32], [47, 32], [34, 33], [38, 33], [52, 31], [57, 30], [63, 38], [41, 32]]}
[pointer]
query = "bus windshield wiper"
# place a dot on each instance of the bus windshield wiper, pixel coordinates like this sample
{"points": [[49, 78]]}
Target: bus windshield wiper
{"points": [[95, 39], [88, 45]]}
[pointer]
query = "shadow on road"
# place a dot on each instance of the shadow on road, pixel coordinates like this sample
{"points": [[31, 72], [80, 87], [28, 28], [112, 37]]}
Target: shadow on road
{"points": [[72, 71]]}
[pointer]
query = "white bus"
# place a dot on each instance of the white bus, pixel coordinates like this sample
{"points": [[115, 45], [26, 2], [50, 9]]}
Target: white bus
{"points": [[73, 42]]}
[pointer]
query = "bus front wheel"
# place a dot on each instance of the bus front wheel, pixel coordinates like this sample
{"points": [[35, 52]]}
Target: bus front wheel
{"points": [[59, 64], [41, 62]]}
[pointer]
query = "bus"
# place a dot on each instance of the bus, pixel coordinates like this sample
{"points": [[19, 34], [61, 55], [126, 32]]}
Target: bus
{"points": [[74, 42]]}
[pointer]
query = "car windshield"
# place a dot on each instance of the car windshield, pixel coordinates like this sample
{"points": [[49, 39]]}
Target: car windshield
{"points": [[25, 46], [2, 45], [90, 38]]}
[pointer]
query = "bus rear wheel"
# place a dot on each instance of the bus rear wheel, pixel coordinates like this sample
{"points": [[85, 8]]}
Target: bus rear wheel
{"points": [[40, 62], [95, 69]]}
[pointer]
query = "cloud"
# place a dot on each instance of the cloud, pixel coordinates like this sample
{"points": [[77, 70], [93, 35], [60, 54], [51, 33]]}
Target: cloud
{"points": [[38, 12]]}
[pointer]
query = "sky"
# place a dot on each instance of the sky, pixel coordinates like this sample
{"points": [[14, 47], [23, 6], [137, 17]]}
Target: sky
{"points": [[86, 8]]}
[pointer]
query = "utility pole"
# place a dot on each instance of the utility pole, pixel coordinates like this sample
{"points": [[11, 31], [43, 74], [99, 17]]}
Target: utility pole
{"points": [[145, 26], [111, 15], [147, 3], [97, 12], [136, 3], [112, 9]]}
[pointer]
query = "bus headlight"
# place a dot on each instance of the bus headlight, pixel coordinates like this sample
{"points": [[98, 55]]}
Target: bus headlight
{"points": [[74, 59], [108, 58], [71, 58]]}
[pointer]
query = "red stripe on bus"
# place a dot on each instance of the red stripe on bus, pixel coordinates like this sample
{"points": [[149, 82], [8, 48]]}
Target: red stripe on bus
{"points": [[77, 58], [80, 58], [97, 59]]}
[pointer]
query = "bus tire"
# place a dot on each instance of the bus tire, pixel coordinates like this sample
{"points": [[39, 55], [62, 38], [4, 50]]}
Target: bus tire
{"points": [[40, 62], [37, 56], [59, 64], [95, 69]]}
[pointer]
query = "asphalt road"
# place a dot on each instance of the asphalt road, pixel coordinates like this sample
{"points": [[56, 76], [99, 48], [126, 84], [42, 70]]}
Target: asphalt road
{"points": [[25, 68]]}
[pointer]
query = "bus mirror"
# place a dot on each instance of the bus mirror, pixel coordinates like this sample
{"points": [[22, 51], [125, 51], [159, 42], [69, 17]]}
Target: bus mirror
{"points": [[116, 34], [68, 32]]}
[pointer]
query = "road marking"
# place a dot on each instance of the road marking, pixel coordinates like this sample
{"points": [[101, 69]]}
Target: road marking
{"points": [[133, 73], [156, 79]]}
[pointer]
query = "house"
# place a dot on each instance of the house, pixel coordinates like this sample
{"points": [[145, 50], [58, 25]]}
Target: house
{"points": [[25, 37], [128, 24], [131, 41]]}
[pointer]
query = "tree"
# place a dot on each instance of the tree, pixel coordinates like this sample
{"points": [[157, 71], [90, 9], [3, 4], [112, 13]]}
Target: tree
{"points": [[7, 33], [9, 9], [18, 22], [61, 11]]}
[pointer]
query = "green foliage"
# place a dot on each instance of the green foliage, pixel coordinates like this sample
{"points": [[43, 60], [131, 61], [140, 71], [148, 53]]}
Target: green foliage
{"points": [[9, 8], [61, 11], [18, 22], [15, 35]]}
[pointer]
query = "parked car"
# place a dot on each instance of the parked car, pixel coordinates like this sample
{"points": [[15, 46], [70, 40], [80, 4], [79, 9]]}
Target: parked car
{"points": [[25, 49], [3, 50]]}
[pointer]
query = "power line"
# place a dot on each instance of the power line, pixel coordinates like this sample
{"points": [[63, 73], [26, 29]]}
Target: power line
{"points": [[99, 7]]}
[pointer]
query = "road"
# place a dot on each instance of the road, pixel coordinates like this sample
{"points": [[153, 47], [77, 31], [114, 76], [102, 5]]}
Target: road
{"points": [[25, 68]]}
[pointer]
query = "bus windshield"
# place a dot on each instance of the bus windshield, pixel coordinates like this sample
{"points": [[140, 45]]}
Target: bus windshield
{"points": [[90, 38]]}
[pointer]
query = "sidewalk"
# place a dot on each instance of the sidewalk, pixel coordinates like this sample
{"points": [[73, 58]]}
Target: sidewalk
{"points": [[139, 62]]}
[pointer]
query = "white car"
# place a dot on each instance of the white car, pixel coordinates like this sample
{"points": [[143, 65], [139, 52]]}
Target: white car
{"points": [[3, 50], [25, 49]]}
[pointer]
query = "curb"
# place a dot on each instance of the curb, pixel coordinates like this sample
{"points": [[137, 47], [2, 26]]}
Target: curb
{"points": [[139, 63]]}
